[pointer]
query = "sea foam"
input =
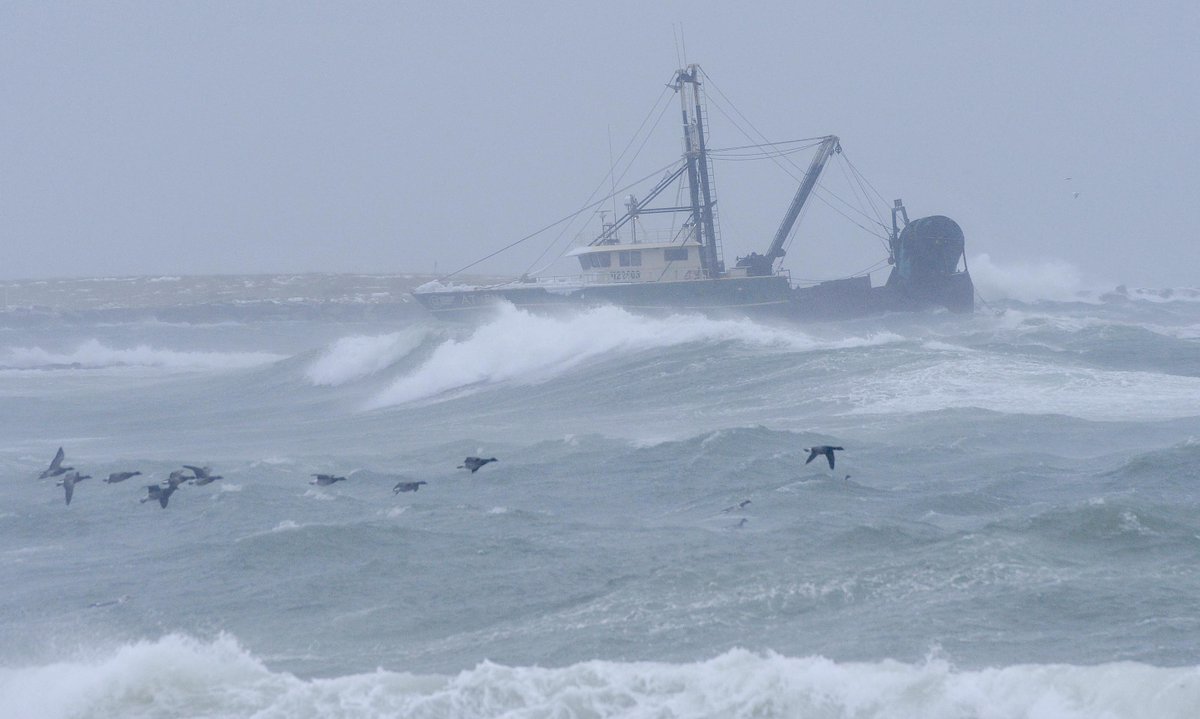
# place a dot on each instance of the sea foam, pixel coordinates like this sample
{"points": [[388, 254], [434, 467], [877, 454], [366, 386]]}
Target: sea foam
{"points": [[353, 358], [1047, 280], [181, 676], [1023, 386], [94, 354], [524, 348]]}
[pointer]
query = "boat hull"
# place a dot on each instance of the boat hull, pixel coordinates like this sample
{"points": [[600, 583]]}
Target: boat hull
{"points": [[771, 296]]}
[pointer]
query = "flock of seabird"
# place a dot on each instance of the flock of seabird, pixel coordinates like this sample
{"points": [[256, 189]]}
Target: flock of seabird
{"points": [[161, 492], [200, 476]]}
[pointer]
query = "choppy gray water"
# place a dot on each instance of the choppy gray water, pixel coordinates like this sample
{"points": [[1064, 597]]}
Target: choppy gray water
{"points": [[1019, 534]]}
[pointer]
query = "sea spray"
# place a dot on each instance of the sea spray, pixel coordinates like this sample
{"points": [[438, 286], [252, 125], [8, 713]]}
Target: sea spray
{"points": [[353, 358], [181, 676], [524, 348]]}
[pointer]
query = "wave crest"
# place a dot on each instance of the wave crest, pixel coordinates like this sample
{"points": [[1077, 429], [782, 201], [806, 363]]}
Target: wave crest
{"points": [[94, 354], [529, 349], [179, 675], [360, 356]]}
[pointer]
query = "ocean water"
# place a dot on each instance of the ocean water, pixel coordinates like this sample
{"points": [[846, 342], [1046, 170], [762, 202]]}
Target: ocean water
{"points": [[1013, 529]]}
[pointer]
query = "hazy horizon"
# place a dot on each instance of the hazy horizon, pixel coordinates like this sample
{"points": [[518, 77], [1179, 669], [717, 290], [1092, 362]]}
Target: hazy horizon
{"points": [[192, 139]]}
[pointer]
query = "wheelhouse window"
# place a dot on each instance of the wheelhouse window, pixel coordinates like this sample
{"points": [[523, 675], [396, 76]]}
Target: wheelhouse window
{"points": [[596, 259], [631, 258], [675, 254]]}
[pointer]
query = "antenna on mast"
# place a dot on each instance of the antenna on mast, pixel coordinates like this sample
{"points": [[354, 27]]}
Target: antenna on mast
{"points": [[612, 173]]}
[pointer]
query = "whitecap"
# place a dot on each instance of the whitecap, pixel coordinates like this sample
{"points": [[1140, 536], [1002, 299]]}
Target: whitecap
{"points": [[94, 354], [359, 356], [525, 349], [177, 675]]}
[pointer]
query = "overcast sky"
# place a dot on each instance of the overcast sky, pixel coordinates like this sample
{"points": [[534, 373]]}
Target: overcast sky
{"points": [[173, 138]]}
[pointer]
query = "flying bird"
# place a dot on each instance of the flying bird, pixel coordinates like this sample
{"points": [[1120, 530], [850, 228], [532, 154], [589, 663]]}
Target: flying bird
{"points": [[822, 449], [68, 483], [407, 487], [120, 476], [474, 463], [740, 505], [55, 467], [203, 476], [324, 480], [162, 494], [176, 478]]}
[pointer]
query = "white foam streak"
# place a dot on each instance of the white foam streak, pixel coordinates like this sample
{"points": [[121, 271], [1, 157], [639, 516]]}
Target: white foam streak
{"points": [[180, 676], [353, 358], [528, 349], [969, 378], [1176, 294], [93, 354]]}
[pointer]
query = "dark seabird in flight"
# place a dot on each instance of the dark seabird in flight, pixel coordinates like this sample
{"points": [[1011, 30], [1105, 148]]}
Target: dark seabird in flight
{"points": [[822, 449], [474, 463], [68, 483], [740, 505], [162, 494], [120, 476], [55, 467], [324, 480], [176, 478], [203, 476], [407, 487]]}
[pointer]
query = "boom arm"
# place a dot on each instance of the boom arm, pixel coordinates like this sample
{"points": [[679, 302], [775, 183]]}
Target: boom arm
{"points": [[762, 264]]}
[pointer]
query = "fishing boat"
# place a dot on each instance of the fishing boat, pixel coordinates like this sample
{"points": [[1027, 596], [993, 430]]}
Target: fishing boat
{"points": [[683, 268]]}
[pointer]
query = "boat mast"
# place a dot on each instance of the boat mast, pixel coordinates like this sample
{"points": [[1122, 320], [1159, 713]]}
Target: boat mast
{"points": [[696, 156]]}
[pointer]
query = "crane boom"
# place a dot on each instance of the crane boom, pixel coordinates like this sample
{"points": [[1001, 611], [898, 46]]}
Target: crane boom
{"points": [[759, 265]]}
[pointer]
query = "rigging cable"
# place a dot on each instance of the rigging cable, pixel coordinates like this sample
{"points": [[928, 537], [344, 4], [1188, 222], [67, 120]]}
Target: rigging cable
{"points": [[610, 174], [557, 222], [788, 172], [866, 200], [818, 186], [864, 179], [866, 270]]}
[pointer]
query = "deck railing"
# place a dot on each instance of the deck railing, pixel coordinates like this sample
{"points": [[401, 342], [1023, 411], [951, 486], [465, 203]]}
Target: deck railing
{"points": [[630, 275]]}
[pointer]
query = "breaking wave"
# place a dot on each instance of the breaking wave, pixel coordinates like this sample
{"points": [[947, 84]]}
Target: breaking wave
{"points": [[529, 349], [353, 358], [94, 354], [181, 676]]}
